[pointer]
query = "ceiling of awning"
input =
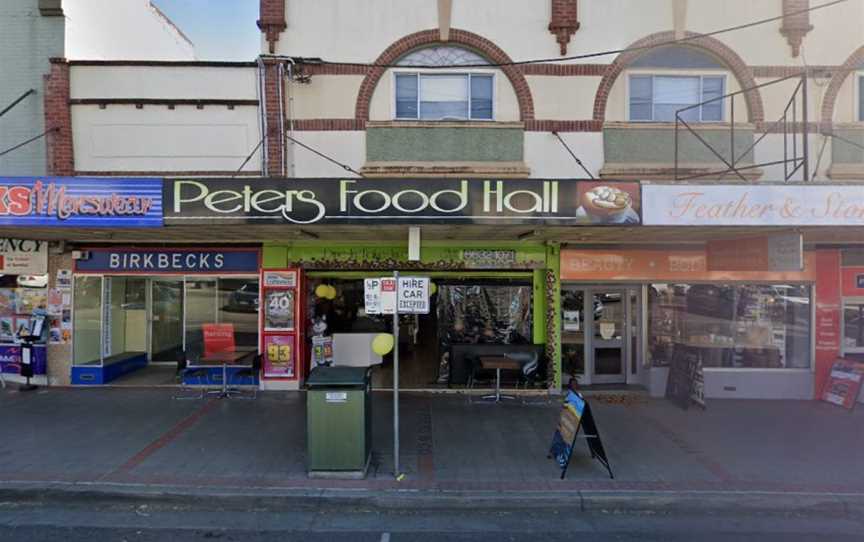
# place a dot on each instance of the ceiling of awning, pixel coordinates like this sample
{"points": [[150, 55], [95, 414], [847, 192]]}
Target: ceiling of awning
{"points": [[240, 234]]}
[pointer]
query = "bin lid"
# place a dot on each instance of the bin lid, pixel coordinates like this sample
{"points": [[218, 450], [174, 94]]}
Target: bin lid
{"points": [[337, 376]]}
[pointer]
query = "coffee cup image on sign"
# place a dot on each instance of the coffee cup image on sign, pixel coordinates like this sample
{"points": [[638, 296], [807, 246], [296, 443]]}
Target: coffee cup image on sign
{"points": [[608, 204]]}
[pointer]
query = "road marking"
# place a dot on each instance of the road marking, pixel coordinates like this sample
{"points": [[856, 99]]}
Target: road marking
{"points": [[385, 537]]}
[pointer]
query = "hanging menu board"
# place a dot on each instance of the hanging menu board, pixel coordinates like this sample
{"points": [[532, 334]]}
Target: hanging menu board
{"points": [[281, 324]]}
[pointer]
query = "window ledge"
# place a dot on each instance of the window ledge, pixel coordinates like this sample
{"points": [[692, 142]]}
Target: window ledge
{"points": [[666, 172], [620, 125], [447, 169], [846, 172], [443, 124]]}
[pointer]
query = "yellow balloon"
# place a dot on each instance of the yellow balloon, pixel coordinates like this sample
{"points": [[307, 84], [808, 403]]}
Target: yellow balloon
{"points": [[382, 344], [331, 292], [433, 288], [321, 290]]}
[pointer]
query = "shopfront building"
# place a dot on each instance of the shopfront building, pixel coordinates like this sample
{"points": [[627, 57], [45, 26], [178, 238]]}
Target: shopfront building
{"points": [[143, 307], [494, 295], [625, 310]]}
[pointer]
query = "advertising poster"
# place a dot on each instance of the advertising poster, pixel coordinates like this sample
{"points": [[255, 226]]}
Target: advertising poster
{"points": [[64, 279], [55, 302], [844, 383], [279, 310], [279, 356]]}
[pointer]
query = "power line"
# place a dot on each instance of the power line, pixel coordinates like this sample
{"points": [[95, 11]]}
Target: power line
{"points": [[573, 154], [17, 101], [324, 156], [585, 56], [246, 161], [31, 140]]}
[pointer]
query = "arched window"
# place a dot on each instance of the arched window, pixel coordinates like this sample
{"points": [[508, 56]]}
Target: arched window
{"points": [[675, 78], [431, 95]]}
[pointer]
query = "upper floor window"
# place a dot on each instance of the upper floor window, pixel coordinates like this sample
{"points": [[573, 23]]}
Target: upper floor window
{"points": [[444, 96], [658, 97], [861, 98]]}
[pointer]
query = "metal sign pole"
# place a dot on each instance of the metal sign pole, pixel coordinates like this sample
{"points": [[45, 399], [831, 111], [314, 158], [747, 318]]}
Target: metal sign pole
{"points": [[396, 380]]}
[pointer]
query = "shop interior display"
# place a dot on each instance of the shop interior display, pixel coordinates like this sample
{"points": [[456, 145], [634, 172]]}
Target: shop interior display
{"points": [[753, 325], [491, 312]]}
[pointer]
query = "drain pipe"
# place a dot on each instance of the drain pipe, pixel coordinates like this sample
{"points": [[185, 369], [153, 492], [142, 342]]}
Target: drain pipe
{"points": [[292, 169], [262, 108]]}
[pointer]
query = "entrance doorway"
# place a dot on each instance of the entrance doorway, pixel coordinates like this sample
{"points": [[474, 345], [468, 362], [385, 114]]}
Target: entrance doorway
{"points": [[601, 327], [166, 319]]}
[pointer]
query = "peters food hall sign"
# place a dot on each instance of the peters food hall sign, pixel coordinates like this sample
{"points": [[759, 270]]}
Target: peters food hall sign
{"points": [[400, 201]]}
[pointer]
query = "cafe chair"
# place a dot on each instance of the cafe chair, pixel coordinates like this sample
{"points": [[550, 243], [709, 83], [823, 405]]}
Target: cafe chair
{"points": [[477, 375], [193, 380], [246, 372]]}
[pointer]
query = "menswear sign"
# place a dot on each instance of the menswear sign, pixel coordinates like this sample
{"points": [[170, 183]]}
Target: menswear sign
{"points": [[395, 201], [753, 205]]}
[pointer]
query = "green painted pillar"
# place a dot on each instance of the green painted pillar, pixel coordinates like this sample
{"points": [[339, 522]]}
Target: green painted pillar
{"points": [[539, 283], [553, 309]]}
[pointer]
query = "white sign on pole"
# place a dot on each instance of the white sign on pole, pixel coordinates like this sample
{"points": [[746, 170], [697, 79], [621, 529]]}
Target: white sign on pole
{"points": [[372, 295], [388, 295], [413, 295]]}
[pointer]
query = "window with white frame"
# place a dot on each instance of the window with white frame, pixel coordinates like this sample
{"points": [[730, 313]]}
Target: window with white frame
{"points": [[444, 96], [657, 97]]}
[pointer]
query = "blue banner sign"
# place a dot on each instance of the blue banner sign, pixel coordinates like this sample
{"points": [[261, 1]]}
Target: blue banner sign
{"points": [[148, 261], [10, 359], [80, 201]]}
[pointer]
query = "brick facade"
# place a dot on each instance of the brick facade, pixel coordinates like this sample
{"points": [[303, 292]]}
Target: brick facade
{"points": [[271, 21], [796, 23], [724, 54], [58, 119], [829, 102], [457, 37], [564, 22], [274, 139]]}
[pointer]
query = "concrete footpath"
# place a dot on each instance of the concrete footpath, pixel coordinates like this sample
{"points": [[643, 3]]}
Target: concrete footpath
{"points": [[125, 443]]}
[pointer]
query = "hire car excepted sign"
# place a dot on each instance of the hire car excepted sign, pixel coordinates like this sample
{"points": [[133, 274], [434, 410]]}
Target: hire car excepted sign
{"points": [[80, 201], [401, 201]]}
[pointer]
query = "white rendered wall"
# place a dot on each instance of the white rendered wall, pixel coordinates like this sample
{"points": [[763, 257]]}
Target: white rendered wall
{"points": [[154, 82], [346, 147], [520, 27], [548, 159], [122, 30], [155, 138]]}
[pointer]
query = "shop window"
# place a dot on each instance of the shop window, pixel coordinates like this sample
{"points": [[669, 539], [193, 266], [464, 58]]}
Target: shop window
{"points": [[853, 327], [656, 98], [443, 96], [211, 300], [87, 321], [738, 326]]}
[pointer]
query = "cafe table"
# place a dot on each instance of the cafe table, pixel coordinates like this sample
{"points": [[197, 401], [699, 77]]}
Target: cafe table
{"points": [[499, 363], [225, 359]]}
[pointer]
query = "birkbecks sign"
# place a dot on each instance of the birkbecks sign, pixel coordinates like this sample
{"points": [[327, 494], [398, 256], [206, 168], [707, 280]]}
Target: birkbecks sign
{"points": [[400, 201]]}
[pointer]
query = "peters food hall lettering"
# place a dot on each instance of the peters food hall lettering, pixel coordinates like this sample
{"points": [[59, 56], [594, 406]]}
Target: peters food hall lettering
{"points": [[401, 201]]}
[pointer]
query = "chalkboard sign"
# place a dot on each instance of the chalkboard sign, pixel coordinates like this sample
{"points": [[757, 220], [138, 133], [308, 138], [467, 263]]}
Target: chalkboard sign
{"points": [[686, 381], [575, 416]]}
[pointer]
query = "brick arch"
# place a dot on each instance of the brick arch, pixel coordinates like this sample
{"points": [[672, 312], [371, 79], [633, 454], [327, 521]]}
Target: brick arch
{"points": [[469, 40], [830, 101], [718, 49]]}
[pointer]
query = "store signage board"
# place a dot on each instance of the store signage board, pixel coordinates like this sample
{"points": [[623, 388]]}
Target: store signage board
{"points": [[149, 261], [489, 259], [280, 279], [844, 383], [23, 257], [752, 205], [576, 417], [81, 202], [784, 252], [401, 201]]}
